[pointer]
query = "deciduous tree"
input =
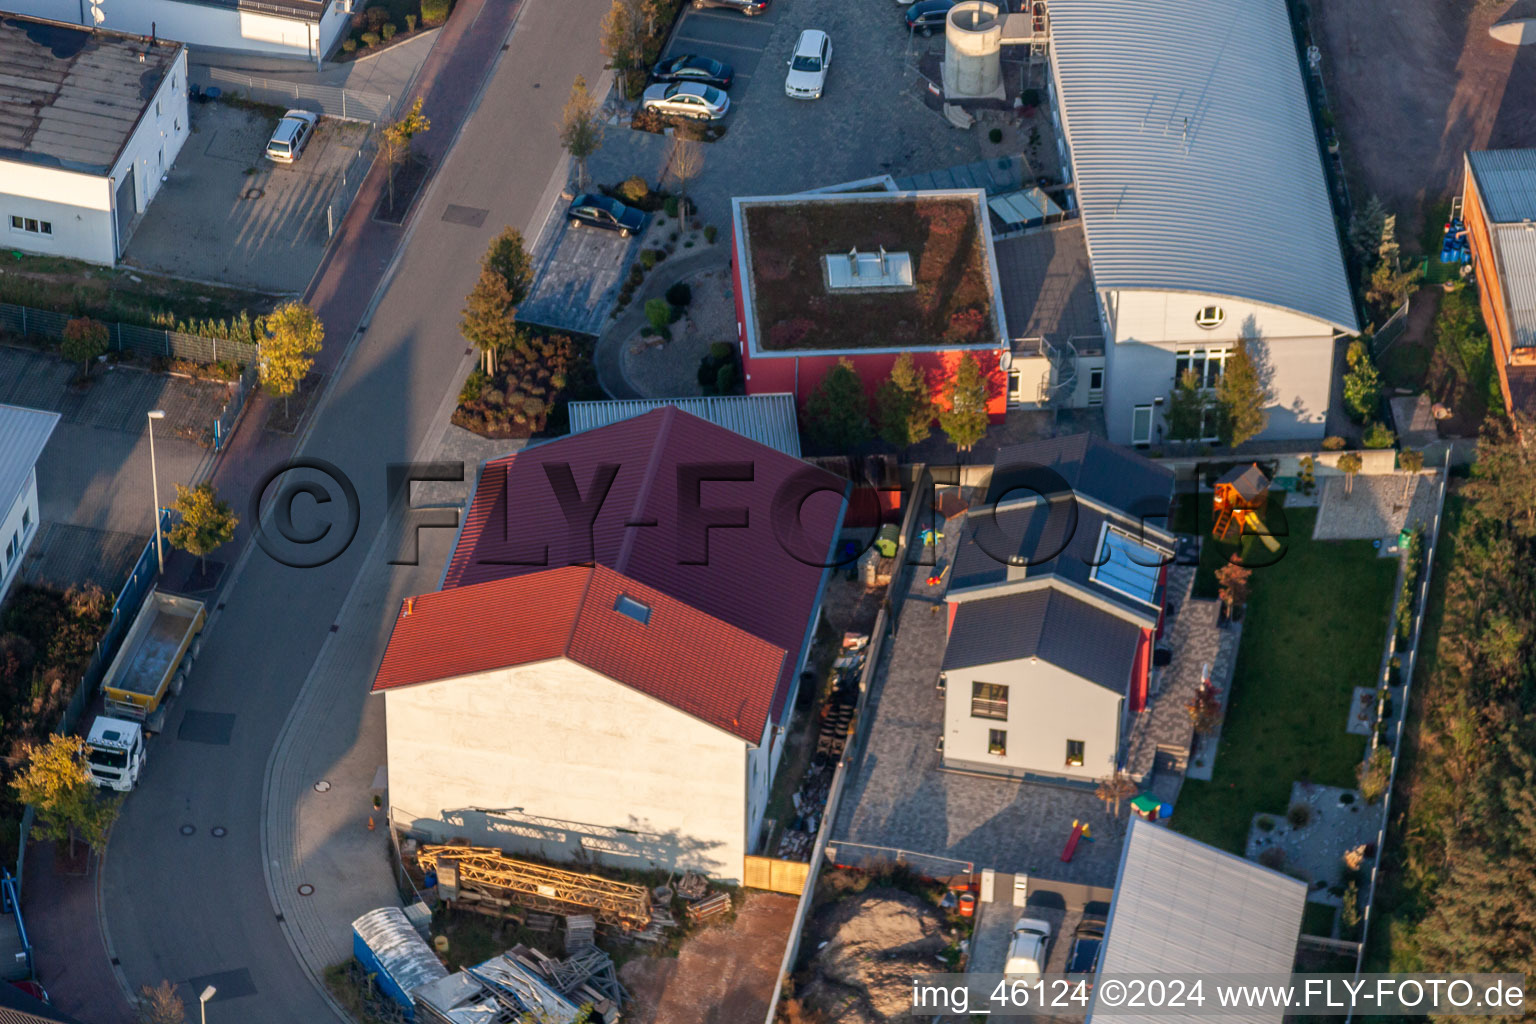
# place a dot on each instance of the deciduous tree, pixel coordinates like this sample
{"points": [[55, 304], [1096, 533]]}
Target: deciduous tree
{"points": [[966, 418], [686, 162], [1205, 710], [1362, 384], [836, 411], [294, 337], [1235, 584], [1350, 463], [508, 257], [159, 1004], [903, 405], [84, 341], [1410, 461], [54, 779], [396, 139], [581, 130], [206, 524], [489, 318]]}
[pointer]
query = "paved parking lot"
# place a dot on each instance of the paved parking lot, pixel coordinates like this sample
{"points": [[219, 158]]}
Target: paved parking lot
{"points": [[226, 213], [578, 273], [872, 120]]}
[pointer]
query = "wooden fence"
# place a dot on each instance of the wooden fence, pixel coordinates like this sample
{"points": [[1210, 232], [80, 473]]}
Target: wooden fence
{"points": [[775, 875]]}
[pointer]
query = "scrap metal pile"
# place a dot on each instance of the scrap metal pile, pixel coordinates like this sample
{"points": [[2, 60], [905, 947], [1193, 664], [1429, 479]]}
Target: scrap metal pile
{"points": [[837, 712], [524, 984]]}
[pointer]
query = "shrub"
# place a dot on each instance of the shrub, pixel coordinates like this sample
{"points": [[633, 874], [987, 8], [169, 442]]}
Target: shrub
{"points": [[995, 136], [1273, 858], [1265, 823], [661, 254], [680, 294], [434, 12], [348, 45], [387, 30], [1346, 798], [1030, 97], [637, 272], [474, 384], [674, 313], [671, 206], [650, 257], [725, 380], [370, 39], [721, 350], [1300, 816], [1377, 435], [710, 231], [376, 16], [673, 236], [658, 313], [410, 23], [634, 190], [84, 340], [1333, 444], [1374, 774]]}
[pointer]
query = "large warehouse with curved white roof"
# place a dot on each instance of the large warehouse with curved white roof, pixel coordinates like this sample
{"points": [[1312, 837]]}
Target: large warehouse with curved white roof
{"points": [[1204, 202]]}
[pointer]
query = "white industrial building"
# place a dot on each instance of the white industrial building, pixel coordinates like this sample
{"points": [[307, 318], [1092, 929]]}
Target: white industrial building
{"points": [[1197, 171], [301, 29], [90, 124], [25, 433]]}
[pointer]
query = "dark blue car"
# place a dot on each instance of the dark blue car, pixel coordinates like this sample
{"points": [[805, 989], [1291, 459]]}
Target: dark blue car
{"points": [[693, 68], [601, 212], [1086, 943], [927, 16]]}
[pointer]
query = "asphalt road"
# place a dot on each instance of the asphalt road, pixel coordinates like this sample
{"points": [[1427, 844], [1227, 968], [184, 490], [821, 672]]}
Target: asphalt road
{"points": [[195, 909]]}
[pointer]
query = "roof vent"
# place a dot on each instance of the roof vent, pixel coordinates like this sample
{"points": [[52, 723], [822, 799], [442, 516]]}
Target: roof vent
{"points": [[410, 606], [879, 269], [627, 605]]}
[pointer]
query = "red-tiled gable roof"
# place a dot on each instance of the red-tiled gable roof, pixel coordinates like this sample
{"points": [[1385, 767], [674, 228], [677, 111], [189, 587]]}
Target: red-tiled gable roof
{"points": [[749, 579], [696, 663]]}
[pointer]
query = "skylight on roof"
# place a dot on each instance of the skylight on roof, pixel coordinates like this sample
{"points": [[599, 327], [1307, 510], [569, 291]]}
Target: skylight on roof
{"points": [[1129, 566], [627, 605]]}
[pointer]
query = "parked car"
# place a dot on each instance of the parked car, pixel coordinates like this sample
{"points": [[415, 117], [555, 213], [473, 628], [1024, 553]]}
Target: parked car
{"points": [[1083, 958], [927, 16], [687, 99], [693, 68], [807, 77], [747, 7], [609, 214], [292, 135], [1027, 949]]}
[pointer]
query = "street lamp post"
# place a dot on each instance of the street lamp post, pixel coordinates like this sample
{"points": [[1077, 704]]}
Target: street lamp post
{"points": [[154, 483], [202, 1002]]}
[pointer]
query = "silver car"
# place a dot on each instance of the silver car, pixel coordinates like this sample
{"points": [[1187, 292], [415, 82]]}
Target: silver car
{"points": [[687, 99], [292, 135]]}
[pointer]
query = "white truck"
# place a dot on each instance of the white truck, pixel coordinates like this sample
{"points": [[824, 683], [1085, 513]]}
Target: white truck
{"points": [[115, 753]]}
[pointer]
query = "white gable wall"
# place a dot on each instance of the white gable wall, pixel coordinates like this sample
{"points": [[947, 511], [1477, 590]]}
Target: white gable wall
{"points": [[573, 761], [79, 206], [157, 138], [1047, 706], [200, 25]]}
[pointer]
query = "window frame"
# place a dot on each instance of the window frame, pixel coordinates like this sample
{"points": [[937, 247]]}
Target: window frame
{"points": [[987, 707], [1137, 411], [1217, 316], [1081, 753], [997, 742]]}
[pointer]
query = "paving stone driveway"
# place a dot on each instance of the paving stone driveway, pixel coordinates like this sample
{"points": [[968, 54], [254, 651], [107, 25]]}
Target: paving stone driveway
{"points": [[871, 121], [900, 798]]}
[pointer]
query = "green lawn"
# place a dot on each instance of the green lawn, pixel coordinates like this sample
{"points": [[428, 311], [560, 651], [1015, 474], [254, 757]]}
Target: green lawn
{"points": [[1314, 630], [1193, 514]]}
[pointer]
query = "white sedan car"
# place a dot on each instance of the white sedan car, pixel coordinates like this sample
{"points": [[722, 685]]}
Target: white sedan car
{"points": [[1027, 949], [687, 99], [807, 77]]}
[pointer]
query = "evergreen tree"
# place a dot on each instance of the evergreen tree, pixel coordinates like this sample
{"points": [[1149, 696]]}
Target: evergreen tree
{"points": [[507, 257], [836, 413], [1187, 409], [489, 321], [1241, 398], [966, 419], [903, 406], [1362, 384]]}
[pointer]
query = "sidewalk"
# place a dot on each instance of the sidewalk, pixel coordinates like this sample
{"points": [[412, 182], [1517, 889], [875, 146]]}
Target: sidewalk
{"points": [[608, 354], [60, 914]]}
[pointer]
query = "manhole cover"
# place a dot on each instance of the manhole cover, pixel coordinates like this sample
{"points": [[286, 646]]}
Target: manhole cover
{"points": [[306, 889], [322, 786], [253, 193], [187, 830], [219, 832]]}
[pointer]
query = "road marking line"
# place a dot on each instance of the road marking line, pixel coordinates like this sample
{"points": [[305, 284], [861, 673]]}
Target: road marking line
{"points": [[712, 42]]}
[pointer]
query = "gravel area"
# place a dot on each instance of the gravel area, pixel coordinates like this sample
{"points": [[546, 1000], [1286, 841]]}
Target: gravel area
{"points": [[669, 369], [1340, 821], [1375, 507]]}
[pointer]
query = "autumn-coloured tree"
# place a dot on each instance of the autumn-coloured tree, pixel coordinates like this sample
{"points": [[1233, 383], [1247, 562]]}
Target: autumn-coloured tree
{"points": [[159, 1004], [581, 130], [206, 522], [1113, 790], [55, 780], [396, 139], [1350, 463], [903, 405], [1235, 582], [294, 336], [84, 340], [489, 319], [1205, 710]]}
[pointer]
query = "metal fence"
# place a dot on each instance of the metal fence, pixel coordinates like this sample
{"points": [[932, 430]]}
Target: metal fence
{"points": [[351, 179], [352, 104], [1390, 332], [140, 582], [150, 341], [224, 423]]}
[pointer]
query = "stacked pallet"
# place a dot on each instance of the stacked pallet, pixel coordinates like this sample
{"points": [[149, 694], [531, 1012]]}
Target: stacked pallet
{"points": [[708, 907], [580, 933]]}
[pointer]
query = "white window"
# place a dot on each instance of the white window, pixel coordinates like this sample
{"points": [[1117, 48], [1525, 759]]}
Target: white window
{"points": [[26, 519], [1207, 364], [1210, 317], [1141, 425], [1096, 379], [31, 225]]}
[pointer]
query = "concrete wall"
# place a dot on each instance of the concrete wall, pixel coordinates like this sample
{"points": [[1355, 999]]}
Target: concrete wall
{"points": [[1299, 375], [197, 24], [1046, 707], [78, 206], [19, 526], [156, 140], [556, 759]]}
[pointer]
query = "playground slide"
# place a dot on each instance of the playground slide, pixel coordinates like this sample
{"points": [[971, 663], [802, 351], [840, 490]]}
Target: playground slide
{"points": [[1072, 840]]}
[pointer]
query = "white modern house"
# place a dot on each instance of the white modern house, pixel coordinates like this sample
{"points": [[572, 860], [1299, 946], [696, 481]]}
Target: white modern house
{"points": [[91, 122], [1056, 598], [25, 433], [1204, 201], [301, 29], [1182, 908]]}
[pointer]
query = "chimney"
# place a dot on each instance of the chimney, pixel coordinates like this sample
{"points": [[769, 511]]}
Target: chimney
{"points": [[410, 606]]}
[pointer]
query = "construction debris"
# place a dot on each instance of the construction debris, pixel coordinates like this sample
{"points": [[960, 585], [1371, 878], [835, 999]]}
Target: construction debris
{"points": [[580, 933], [810, 800], [711, 906], [486, 880], [524, 984], [693, 886]]}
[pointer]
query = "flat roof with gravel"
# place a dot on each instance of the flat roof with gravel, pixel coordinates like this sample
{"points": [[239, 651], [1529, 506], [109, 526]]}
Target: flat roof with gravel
{"points": [[73, 97]]}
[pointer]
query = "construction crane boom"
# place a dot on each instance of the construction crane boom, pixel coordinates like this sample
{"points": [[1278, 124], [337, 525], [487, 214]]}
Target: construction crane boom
{"points": [[488, 871]]}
